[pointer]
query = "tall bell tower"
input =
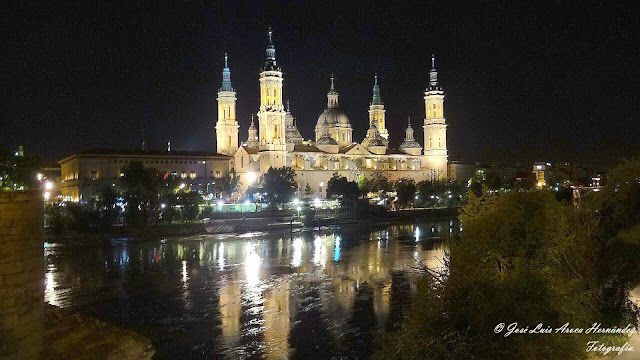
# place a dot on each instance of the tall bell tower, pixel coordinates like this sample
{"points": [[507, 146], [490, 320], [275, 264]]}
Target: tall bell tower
{"points": [[377, 111], [271, 117], [435, 127], [227, 125]]}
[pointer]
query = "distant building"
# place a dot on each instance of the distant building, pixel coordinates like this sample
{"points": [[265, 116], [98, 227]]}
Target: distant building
{"points": [[82, 175], [543, 174], [462, 172]]}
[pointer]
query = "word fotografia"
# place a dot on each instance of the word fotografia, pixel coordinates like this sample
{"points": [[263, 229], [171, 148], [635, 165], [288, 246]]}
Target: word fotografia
{"points": [[596, 328], [596, 346]]}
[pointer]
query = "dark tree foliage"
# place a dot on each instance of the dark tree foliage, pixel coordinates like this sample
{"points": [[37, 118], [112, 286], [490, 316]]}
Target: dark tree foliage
{"points": [[107, 205], [612, 218], [406, 191], [486, 178], [279, 184], [441, 194], [140, 187], [189, 200], [340, 188], [19, 172], [228, 184], [379, 183], [522, 257]]}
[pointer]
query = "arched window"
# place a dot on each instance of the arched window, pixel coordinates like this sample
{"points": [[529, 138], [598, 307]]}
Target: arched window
{"points": [[275, 131], [434, 106], [439, 142], [229, 140], [429, 142]]}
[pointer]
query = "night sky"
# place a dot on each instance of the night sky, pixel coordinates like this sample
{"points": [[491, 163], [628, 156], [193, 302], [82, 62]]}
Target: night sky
{"points": [[552, 81]]}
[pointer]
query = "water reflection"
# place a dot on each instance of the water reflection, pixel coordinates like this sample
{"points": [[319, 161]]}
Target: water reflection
{"points": [[256, 295]]}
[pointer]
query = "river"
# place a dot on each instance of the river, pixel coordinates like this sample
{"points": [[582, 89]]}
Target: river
{"points": [[256, 295]]}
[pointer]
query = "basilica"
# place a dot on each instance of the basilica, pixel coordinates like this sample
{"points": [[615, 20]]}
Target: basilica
{"points": [[275, 141]]}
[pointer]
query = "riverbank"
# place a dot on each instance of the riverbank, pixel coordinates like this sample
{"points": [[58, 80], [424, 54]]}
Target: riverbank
{"points": [[321, 219]]}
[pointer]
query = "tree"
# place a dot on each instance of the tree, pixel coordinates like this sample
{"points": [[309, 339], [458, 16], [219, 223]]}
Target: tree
{"points": [[339, 187], [19, 172], [379, 183], [612, 218], [279, 184], [406, 192], [140, 186], [308, 191], [228, 184], [189, 200], [517, 260], [107, 202]]}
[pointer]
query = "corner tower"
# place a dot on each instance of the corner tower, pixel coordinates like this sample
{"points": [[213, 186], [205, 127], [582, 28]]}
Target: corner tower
{"points": [[227, 125], [377, 112], [435, 126], [271, 117]]}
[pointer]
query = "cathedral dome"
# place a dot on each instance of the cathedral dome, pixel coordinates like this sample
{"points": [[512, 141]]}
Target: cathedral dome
{"points": [[327, 140], [333, 117]]}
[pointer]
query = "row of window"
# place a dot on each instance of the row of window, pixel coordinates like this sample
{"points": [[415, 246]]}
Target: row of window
{"points": [[157, 162], [165, 174]]}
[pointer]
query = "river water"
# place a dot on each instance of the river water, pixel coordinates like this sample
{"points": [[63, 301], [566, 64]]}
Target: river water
{"points": [[304, 295]]}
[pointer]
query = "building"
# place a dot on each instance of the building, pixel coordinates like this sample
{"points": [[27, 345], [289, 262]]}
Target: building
{"points": [[543, 174], [277, 142], [83, 175]]}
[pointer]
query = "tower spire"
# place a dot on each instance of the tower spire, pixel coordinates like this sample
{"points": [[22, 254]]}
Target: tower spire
{"points": [[433, 74], [226, 76], [332, 87], [270, 63], [377, 100]]}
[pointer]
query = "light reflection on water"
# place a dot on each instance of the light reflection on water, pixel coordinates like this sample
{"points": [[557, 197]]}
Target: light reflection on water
{"points": [[240, 297]]}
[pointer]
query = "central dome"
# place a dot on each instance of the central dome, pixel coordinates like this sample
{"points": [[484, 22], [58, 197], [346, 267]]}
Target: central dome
{"points": [[333, 116]]}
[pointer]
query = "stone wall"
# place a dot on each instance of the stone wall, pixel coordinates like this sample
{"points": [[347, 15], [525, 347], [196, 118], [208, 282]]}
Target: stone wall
{"points": [[21, 274]]}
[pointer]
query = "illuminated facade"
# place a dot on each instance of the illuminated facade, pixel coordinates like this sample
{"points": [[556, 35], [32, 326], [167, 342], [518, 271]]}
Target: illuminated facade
{"points": [[227, 125], [83, 175], [277, 141]]}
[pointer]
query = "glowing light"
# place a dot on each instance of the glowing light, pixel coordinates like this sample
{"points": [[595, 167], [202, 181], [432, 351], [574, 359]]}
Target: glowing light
{"points": [[182, 186], [336, 249], [316, 201], [252, 267], [417, 233], [48, 185], [322, 184], [296, 201], [185, 275], [221, 257], [162, 206], [251, 177], [296, 259], [319, 252], [247, 202], [298, 208], [39, 177], [47, 195], [220, 203]]}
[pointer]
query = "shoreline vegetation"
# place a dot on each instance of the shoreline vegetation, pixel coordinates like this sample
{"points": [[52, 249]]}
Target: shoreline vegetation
{"points": [[150, 232]]}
